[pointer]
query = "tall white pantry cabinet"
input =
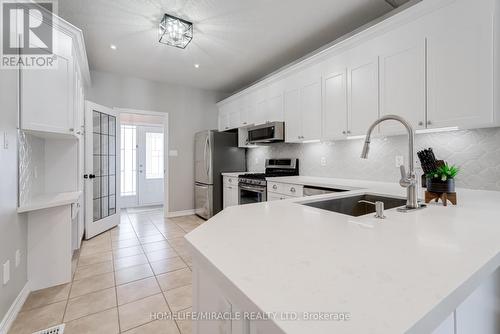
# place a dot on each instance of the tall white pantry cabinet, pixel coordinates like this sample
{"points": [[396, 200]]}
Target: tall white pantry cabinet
{"points": [[50, 146]]}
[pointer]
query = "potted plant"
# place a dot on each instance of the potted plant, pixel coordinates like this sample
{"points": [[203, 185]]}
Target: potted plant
{"points": [[442, 180]]}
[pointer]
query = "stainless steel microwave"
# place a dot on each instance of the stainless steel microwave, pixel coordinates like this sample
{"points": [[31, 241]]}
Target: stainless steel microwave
{"points": [[266, 133]]}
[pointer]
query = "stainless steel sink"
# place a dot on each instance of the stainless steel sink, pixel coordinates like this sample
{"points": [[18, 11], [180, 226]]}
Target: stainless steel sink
{"points": [[351, 206]]}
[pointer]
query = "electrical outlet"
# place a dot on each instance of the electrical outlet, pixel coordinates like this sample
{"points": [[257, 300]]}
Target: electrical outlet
{"points": [[6, 272], [400, 160], [18, 258], [323, 161]]}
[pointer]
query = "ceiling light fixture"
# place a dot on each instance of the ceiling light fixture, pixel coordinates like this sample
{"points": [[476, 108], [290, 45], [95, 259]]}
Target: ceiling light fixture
{"points": [[112, 47], [175, 31]]}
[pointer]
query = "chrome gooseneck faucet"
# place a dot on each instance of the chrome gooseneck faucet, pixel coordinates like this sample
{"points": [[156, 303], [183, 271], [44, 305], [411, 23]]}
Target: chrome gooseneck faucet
{"points": [[408, 179]]}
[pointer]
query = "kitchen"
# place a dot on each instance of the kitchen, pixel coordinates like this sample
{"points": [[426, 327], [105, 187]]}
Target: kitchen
{"points": [[349, 187]]}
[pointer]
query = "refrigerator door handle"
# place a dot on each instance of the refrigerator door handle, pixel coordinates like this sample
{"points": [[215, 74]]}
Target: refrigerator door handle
{"points": [[207, 165]]}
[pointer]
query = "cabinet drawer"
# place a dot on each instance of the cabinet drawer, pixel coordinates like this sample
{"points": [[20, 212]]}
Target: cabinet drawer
{"points": [[277, 197], [230, 181], [293, 190]]}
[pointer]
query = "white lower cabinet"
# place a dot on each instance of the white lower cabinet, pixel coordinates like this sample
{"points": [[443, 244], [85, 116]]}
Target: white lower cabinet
{"points": [[230, 196], [280, 191], [214, 293]]}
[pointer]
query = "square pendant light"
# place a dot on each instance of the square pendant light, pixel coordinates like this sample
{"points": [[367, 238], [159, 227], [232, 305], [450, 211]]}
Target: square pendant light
{"points": [[175, 31]]}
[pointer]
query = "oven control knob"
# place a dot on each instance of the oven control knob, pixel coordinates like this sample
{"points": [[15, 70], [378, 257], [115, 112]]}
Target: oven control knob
{"points": [[275, 187], [292, 189]]}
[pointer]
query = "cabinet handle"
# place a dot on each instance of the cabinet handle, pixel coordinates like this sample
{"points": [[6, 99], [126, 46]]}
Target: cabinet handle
{"points": [[71, 130], [292, 189], [429, 122], [420, 123], [343, 132], [244, 123], [231, 180], [275, 187], [348, 132]]}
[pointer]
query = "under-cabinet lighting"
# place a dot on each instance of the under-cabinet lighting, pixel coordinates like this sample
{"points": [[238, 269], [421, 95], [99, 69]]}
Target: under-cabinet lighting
{"points": [[356, 137], [196, 65], [310, 141], [446, 129]]}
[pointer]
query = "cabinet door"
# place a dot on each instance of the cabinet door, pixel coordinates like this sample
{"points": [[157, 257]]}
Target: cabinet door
{"points": [[447, 327], [402, 81], [47, 94], [310, 110], [274, 108], [293, 128], [362, 94], [223, 120], [234, 119], [335, 105], [460, 70]]}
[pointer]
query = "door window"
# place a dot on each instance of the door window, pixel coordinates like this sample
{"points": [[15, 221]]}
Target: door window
{"points": [[104, 158], [154, 155], [128, 160]]}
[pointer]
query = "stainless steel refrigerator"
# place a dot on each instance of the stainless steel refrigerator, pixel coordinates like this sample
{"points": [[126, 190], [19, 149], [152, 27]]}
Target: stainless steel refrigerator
{"points": [[215, 152]]}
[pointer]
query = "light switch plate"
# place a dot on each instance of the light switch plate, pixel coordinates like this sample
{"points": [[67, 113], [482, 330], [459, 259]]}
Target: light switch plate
{"points": [[173, 153], [6, 272], [18, 258]]}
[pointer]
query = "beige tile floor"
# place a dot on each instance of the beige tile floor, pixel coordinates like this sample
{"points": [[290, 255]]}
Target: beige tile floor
{"points": [[120, 277]]}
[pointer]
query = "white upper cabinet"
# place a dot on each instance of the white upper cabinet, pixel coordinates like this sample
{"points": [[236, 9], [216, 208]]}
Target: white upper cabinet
{"points": [[402, 79], [362, 92], [335, 104], [303, 106], [432, 64], [269, 104], [460, 65], [47, 95]]}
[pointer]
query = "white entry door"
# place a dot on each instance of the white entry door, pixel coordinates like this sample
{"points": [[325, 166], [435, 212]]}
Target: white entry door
{"points": [[150, 150], [102, 160]]}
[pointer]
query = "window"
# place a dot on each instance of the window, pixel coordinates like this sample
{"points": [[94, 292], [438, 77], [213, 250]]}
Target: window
{"points": [[128, 160], [154, 155]]}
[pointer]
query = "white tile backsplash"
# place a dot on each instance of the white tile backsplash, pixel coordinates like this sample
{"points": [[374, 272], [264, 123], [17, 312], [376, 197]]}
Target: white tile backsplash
{"points": [[475, 152]]}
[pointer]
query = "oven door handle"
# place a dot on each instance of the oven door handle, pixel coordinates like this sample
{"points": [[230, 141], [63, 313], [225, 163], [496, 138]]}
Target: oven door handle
{"points": [[259, 190]]}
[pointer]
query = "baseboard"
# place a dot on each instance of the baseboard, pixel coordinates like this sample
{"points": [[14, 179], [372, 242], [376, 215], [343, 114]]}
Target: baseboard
{"points": [[14, 309], [180, 213]]}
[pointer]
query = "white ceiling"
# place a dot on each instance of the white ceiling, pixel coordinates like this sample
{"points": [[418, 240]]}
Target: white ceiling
{"points": [[236, 42]]}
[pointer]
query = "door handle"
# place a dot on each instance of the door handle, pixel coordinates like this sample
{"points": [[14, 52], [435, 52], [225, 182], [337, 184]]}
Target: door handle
{"points": [[207, 165]]}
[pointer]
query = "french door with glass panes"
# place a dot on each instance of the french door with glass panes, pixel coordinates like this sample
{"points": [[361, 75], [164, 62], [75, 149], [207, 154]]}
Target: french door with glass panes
{"points": [[102, 210]]}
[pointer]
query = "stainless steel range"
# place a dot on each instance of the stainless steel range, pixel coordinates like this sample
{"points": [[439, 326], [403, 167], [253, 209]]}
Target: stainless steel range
{"points": [[253, 187]]}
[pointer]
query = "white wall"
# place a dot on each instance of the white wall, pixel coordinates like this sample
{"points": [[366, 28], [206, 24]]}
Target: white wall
{"points": [[13, 233], [190, 110]]}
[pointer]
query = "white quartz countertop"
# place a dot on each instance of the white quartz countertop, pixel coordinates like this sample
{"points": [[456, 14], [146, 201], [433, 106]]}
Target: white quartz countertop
{"points": [[46, 201], [404, 274]]}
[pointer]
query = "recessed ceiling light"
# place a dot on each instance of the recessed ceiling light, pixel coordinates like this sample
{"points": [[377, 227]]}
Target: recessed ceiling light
{"points": [[112, 47], [197, 65]]}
